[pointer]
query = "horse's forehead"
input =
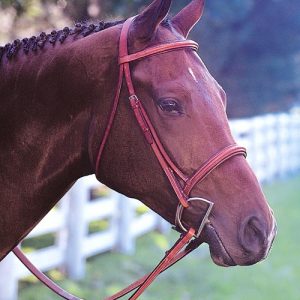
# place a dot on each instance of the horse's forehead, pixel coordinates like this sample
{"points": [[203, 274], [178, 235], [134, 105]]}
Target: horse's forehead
{"points": [[183, 66], [182, 73]]}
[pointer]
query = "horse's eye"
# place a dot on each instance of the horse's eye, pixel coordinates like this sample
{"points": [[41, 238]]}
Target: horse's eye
{"points": [[170, 106]]}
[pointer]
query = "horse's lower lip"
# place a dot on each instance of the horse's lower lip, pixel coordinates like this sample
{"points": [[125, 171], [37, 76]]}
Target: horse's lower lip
{"points": [[218, 252]]}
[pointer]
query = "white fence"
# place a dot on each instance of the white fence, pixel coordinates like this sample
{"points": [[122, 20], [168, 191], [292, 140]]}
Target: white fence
{"points": [[273, 143], [124, 220]]}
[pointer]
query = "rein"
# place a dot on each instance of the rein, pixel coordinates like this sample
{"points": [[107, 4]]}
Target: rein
{"points": [[189, 239]]}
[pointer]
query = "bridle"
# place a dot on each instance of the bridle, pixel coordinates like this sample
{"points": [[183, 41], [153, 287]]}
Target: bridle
{"points": [[172, 172], [189, 236]]}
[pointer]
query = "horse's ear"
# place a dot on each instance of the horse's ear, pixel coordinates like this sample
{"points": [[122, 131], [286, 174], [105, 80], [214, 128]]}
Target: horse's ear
{"points": [[145, 24], [185, 20]]}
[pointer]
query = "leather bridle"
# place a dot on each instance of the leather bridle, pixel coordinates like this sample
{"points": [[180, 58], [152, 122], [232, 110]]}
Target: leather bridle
{"points": [[190, 236], [173, 173]]}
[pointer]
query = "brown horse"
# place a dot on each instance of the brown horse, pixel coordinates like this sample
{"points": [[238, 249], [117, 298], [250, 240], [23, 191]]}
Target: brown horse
{"points": [[56, 94]]}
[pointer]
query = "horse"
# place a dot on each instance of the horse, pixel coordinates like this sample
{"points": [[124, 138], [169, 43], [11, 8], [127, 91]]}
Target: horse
{"points": [[65, 114]]}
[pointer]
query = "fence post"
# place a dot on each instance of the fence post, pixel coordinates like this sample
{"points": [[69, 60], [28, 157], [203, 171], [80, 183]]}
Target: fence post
{"points": [[296, 118], [8, 278], [125, 240], [77, 228], [283, 123], [61, 236]]}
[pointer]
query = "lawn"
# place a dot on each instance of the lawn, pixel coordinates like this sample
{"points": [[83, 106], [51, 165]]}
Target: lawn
{"points": [[196, 277]]}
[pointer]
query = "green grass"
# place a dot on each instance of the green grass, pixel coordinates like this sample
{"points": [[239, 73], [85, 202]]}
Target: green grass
{"points": [[196, 277]]}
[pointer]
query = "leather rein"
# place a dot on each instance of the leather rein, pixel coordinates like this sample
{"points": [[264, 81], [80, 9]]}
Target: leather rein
{"points": [[189, 239]]}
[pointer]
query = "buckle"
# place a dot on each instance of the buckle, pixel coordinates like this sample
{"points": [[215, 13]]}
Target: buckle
{"points": [[179, 213], [133, 98]]}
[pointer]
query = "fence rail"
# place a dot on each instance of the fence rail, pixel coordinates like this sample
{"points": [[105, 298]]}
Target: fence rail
{"points": [[273, 143]]}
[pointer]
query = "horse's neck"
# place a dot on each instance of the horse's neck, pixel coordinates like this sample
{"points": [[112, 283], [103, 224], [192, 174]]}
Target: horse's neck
{"points": [[47, 105]]}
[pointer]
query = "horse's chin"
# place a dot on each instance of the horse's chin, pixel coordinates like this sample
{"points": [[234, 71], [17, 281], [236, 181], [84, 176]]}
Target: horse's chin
{"points": [[218, 252]]}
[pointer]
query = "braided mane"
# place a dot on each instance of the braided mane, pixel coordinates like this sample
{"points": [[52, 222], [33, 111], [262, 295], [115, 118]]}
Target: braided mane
{"points": [[34, 43], [80, 30]]}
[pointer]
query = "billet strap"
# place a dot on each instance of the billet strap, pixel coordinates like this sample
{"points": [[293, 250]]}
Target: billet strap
{"points": [[172, 256], [165, 262], [42, 277]]}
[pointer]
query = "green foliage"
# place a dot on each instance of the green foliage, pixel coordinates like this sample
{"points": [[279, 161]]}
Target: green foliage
{"points": [[250, 46], [196, 277]]}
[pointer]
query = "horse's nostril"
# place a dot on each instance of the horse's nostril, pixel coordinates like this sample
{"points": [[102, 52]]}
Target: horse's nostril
{"points": [[253, 235]]}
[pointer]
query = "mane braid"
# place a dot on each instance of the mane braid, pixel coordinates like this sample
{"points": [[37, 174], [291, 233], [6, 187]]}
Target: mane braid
{"points": [[81, 29]]}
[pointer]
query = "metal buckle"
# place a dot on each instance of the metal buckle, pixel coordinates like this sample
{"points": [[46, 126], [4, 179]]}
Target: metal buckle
{"points": [[133, 97], [179, 213]]}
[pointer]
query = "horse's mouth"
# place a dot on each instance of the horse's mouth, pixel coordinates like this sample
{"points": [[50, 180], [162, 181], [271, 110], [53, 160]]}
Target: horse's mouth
{"points": [[218, 252]]}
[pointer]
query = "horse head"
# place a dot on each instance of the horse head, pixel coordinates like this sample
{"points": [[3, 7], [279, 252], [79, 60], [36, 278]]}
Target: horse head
{"points": [[187, 108]]}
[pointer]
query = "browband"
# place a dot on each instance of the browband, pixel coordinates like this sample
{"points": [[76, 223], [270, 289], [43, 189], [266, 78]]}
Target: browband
{"points": [[158, 49]]}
